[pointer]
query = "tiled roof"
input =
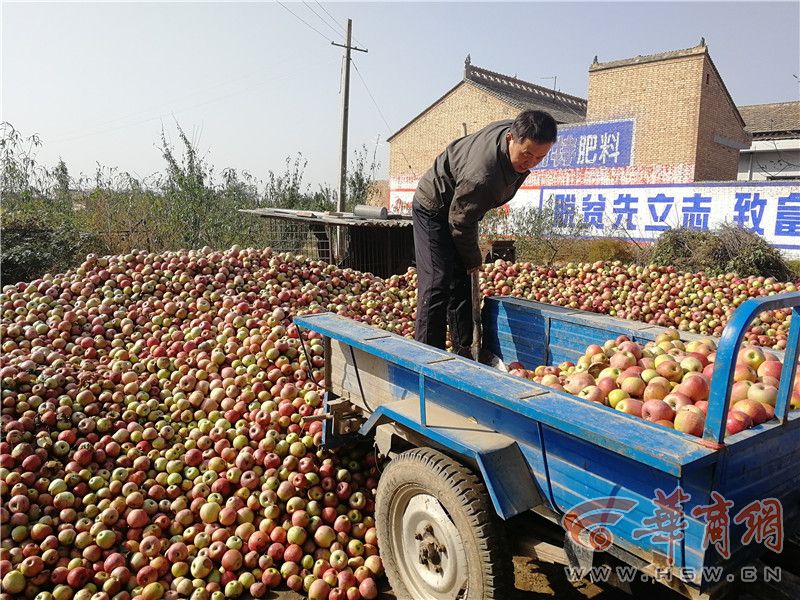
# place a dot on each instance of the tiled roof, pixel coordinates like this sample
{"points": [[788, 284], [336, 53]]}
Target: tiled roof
{"points": [[781, 119], [524, 95], [518, 93]]}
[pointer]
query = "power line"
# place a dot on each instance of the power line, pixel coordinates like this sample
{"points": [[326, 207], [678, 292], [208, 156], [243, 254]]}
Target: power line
{"points": [[200, 91], [331, 16], [305, 22], [321, 18], [378, 108], [336, 22], [160, 115]]}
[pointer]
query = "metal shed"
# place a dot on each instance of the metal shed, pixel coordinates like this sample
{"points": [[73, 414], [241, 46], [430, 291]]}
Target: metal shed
{"points": [[383, 246]]}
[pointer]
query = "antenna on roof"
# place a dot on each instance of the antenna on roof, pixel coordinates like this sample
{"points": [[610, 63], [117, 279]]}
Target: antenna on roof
{"points": [[554, 78]]}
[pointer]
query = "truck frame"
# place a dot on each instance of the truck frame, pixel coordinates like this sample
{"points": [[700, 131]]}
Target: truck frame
{"points": [[475, 451]]}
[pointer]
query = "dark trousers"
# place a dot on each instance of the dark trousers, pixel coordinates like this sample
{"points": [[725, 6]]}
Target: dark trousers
{"points": [[443, 285]]}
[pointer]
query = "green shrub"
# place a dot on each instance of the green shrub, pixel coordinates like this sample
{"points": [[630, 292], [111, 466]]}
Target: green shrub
{"points": [[728, 249]]}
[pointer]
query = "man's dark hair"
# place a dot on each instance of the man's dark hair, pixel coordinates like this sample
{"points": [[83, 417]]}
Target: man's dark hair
{"points": [[535, 125]]}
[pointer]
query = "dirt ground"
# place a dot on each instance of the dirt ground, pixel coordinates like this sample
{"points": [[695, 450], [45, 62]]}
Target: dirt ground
{"points": [[545, 581], [534, 581]]}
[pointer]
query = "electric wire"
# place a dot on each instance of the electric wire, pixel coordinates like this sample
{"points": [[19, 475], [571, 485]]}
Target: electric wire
{"points": [[305, 22], [380, 112], [321, 18]]}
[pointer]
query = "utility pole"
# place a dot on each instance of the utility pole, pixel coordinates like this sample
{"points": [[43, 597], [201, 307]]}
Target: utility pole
{"points": [[345, 110]]}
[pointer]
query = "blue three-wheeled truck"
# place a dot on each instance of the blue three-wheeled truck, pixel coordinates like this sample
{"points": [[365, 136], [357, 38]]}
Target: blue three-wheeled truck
{"points": [[473, 449]]}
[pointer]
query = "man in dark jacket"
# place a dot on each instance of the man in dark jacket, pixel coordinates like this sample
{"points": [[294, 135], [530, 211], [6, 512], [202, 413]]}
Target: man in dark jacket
{"points": [[473, 175]]}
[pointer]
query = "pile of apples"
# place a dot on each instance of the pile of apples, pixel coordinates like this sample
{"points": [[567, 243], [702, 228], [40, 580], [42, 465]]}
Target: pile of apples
{"points": [[668, 381], [663, 296], [153, 442]]}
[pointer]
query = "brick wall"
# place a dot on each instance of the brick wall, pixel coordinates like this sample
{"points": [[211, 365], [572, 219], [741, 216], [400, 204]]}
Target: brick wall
{"points": [[718, 119], [680, 105], [412, 151], [663, 97]]}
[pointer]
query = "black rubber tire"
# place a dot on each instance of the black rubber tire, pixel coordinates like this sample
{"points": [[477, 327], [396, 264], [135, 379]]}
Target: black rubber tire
{"points": [[465, 499]]}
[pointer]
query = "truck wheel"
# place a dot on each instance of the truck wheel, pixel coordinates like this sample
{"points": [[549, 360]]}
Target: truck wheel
{"points": [[439, 535]]}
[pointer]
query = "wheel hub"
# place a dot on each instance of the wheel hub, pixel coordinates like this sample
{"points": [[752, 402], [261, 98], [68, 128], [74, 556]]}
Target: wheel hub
{"points": [[430, 549], [434, 563]]}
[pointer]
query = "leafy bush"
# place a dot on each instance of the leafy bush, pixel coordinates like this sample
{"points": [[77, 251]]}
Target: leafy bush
{"points": [[728, 249], [50, 220]]}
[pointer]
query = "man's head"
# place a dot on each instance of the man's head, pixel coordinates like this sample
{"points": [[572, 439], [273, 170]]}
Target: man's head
{"points": [[532, 135]]}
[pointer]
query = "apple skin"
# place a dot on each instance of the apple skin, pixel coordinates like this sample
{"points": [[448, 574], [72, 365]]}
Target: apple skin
{"points": [[744, 373], [634, 386], [737, 422], [770, 411], [750, 356], [656, 390], [616, 396], [690, 419], [755, 410], [767, 380], [633, 348], [702, 405], [592, 393], [739, 390], [611, 372], [657, 410], [649, 374], [670, 370], [708, 370], [760, 392], [690, 363], [549, 379], [677, 400], [665, 423], [770, 368], [622, 360], [695, 386], [606, 384], [632, 406]]}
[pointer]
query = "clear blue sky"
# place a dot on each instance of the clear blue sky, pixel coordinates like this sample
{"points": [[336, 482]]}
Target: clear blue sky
{"points": [[251, 84]]}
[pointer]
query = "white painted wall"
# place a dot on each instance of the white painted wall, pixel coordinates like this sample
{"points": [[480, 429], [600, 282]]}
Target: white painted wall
{"points": [[770, 159]]}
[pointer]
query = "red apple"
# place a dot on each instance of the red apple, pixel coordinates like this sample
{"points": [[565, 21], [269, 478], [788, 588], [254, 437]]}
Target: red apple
{"points": [[690, 419], [752, 408], [632, 406], [760, 392], [656, 410]]}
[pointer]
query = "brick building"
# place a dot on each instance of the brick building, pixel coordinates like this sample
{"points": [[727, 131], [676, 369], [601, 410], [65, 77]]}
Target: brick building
{"points": [[685, 118], [481, 97], [685, 127]]}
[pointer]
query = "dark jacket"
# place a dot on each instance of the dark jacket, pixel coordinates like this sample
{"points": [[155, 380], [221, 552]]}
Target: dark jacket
{"points": [[472, 176]]}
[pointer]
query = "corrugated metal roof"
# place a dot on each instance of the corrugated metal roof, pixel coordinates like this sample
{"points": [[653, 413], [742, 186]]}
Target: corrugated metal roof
{"points": [[328, 218]]}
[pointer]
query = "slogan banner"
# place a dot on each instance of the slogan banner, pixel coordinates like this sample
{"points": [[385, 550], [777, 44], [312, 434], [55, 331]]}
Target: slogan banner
{"points": [[642, 213], [591, 145]]}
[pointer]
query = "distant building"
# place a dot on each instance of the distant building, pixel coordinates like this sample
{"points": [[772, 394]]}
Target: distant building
{"points": [[481, 97], [775, 151], [663, 118]]}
